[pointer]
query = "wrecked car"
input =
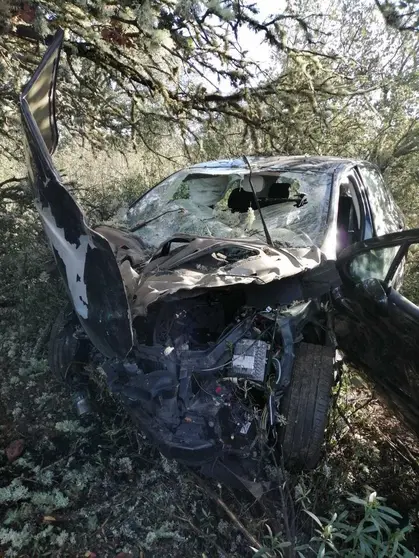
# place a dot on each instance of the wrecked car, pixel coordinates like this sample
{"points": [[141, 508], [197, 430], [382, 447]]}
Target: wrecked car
{"points": [[216, 310]]}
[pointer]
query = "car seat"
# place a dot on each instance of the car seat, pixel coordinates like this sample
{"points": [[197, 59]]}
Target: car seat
{"points": [[279, 190], [240, 200], [343, 222]]}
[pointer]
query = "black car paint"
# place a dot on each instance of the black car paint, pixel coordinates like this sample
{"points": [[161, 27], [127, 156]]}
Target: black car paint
{"points": [[378, 328]]}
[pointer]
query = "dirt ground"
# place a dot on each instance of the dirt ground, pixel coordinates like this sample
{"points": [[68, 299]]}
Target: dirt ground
{"points": [[99, 489]]}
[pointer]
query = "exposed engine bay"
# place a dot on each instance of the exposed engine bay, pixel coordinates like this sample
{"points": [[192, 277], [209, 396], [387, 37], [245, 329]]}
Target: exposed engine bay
{"points": [[207, 374]]}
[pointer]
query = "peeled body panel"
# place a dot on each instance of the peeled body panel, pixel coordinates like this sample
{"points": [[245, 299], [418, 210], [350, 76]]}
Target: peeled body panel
{"points": [[84, 257]]}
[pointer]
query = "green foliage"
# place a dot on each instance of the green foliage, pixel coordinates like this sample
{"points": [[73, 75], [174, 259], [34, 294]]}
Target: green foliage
{"points": [[376, 535], [273, 546], [375, 532], [139, 71]]}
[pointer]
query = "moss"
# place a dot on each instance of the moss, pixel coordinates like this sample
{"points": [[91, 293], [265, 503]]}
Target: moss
{"points": [[72, 427], [122, 465], [76, 480], [48, 502], [162, 533], [16, 539], [61, 538], [14, 492]]}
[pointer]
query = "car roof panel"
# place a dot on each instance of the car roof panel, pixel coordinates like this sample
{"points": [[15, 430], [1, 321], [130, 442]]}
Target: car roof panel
{"points": [[275, 163]]}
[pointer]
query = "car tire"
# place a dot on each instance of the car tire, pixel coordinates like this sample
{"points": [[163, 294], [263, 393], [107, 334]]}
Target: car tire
{"points": [[305, 406], [63, 347]]}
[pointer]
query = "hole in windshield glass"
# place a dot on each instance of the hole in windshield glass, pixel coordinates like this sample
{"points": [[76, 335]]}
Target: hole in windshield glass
{"points": [[220, 203]]}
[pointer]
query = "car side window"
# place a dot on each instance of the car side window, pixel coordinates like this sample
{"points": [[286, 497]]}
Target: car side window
{"points": [[374, 264], [383, 207], [378, 264]]}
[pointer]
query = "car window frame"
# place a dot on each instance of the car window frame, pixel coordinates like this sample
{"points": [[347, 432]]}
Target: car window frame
{"points": [[404, 239], [327, 173], [365, 225]]}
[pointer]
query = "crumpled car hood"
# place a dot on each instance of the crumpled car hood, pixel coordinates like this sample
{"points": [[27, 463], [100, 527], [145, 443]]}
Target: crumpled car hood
{"points": [[198, 266]]}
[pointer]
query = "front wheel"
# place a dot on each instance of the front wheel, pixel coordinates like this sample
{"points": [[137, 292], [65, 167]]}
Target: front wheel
{"points": [[306, 404]]}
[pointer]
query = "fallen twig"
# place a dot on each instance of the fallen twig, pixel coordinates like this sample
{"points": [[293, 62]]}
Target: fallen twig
{"points": [[42, 339], [357, 409], [227, 510], [199, 533], [344, 418], [10, 180], [287, 504], [405, 454]]}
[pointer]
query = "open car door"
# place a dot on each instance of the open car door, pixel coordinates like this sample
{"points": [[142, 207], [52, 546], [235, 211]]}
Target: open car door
{"points": [[375, 325], [84, 257]]}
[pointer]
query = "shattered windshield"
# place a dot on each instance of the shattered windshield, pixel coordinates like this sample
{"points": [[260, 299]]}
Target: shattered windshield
{"points": [[218, 202]]}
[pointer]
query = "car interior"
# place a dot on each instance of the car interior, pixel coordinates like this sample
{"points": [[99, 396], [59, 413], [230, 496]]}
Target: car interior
{"points": [[268, 192], [349, 216]]}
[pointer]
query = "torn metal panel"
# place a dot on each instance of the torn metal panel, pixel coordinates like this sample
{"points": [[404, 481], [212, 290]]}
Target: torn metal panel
{"points": [[125, 246], [183, 271], [84, 257]]}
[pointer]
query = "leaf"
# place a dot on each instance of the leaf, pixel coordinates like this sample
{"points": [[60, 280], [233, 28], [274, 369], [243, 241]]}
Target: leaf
{"points": [[259, 552], [322, 551], [342, 526], [378, 524], [405, 552], [371, 529], [314, 518], [332, 546], [388, 518], [357, 500], [390, 511], [342, 516], [339, 536]]}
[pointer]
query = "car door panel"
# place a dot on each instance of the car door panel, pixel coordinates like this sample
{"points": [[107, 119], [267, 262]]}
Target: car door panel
{"points": [[378, 328], [383, 346], [84, 257]]}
